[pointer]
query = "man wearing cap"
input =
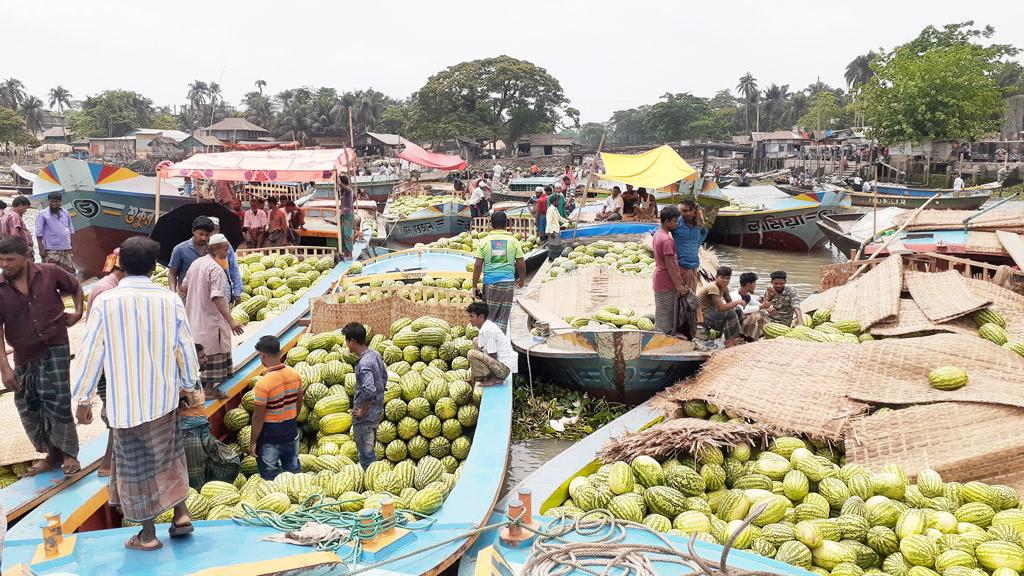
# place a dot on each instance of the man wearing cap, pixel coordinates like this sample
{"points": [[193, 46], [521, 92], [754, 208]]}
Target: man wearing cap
{"points": [[234, 272], [476, 199], [531, 203], [112, 267], [209, 315]]}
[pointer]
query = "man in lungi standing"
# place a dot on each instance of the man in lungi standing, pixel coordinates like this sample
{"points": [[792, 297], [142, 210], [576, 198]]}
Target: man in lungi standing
{"points": [[348, 217], [500, 258], [115, 274], [667, 282], [53, 232], [208, 314], [138, 333], [689, 235], [33, 322]]}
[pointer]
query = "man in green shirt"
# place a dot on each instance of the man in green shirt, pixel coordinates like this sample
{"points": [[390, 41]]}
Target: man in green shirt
{"points": [[500, 258]]}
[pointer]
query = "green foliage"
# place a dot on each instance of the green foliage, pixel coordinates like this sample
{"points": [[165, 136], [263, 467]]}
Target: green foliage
{"points": [[534, 413], [81, 124], [165, 122], [499, 97], [944, 92], [13, 129], [822, 114], [676, 117], [114, 113]]}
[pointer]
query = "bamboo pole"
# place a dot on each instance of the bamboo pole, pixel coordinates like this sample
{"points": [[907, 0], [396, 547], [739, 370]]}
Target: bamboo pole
{"points": [[156, 201], [590, 180], [894, 236]]}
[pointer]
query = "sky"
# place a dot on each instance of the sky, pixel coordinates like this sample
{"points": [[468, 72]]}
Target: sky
{"points": [[607, 55]]}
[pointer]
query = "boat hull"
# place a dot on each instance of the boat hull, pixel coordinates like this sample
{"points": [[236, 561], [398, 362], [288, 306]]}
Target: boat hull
{"points": [[929, 192], [944, 202], [832, 229], [429, 224], [793, 230], [378, 190]]}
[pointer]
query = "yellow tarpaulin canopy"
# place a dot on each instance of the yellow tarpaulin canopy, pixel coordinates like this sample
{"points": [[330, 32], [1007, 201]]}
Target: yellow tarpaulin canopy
{"points": [[653, 169]]}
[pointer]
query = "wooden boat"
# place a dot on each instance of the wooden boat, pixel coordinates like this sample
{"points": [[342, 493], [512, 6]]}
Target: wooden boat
{"points": [[982, 246], [95, 544], [709, 197], [621, 365], [972, 200], [377, 186], [27, 493], [321, 228], [788, 224], [902, 190], [429, 224], [836, 228], [548, 486], [108, 204]]}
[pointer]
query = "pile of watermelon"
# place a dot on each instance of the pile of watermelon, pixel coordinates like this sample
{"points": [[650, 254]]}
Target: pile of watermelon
{"points": [[424, 290], [273, 282], [469, 242], [626, 257], [819, 327], [821, 514], [612, 317], [402, 206], [425, 434]]}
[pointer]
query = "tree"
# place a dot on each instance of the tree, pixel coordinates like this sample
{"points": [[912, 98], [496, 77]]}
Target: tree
{"points": [[12, 92], [672, 118], [61, 98], [82, 124], [942, 93], [776, 99], [260, 85], [165, 122], [13, 129], [859, 71], [589, 134], [115, 113], [196, 97], [32, 111], [499, 97], [747, 89], [259, 109], [395, 119], [213, 90], [823, 112]]}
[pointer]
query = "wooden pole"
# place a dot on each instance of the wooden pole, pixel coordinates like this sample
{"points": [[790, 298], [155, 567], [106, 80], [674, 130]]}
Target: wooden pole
{"points": [[156, 201], [337, 211], [894, 236], [590, 180]]}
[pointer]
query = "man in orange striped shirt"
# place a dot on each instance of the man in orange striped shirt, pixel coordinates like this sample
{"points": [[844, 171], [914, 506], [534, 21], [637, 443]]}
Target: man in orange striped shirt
{"points": [[275, 442]]}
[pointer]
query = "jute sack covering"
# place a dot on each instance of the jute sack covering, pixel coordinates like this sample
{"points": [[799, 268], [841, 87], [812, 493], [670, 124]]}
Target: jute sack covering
{"points": [[873, 297], [680, 436], [981, 442], [785, 385], [943, 296], [895, 371]]}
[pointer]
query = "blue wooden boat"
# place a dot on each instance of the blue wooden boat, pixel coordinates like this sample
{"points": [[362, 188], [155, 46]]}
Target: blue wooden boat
{"points": [[901, 190], [378, 187], [430, 223], [108, 204], [966, 200], [621, 365], [549, 487], [788, 224]]}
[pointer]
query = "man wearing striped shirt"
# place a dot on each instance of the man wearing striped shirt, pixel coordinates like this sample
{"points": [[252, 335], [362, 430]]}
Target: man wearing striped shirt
{"points": [[278, 396], [138, 337]]}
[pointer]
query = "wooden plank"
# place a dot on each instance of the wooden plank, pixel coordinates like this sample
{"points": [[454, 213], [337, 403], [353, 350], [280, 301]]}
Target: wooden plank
{"points": [[542, 313], [1013, 245]]}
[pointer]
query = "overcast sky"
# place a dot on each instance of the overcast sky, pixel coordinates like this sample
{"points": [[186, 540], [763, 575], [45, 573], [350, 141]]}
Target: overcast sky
{"points": [[607, 55]]}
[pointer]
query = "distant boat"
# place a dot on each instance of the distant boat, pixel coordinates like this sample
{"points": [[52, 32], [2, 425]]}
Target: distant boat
{"points": [[430, 223], [847, 231], [788, 224], [946, 201], [901, 190]]}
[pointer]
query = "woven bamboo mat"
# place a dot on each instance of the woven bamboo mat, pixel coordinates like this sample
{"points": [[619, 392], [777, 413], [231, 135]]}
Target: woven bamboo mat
{"points": [[819, 300], [682, 435], [974, 442], [585, 289], [984, 243], [1000, 219], [786, 386], [1007, 302], [873, 297], [14, 444], [895, 371], [912, 320], [942, 296]]}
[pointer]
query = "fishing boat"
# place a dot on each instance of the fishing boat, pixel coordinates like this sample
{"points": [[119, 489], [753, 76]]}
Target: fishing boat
{"points": [[903, 190], [94, 542], [788, 224], [521, 189], [548, 486], [619, 364], [966, 200], [427, 224], [847, 231], [107, 204]]}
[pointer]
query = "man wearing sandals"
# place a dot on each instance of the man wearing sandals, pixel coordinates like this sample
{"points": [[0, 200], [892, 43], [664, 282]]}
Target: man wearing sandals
{"points": [[33, 321], [138, 332]]}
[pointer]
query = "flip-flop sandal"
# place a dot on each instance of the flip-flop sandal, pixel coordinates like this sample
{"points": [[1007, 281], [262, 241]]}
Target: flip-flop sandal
{"points": [[175, 531], [73, 472], [134, 543]]}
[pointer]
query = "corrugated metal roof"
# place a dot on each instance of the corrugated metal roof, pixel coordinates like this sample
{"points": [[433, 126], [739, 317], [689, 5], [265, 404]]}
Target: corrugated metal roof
{"points": [[235, 124], [546, 140], [777, 135]]}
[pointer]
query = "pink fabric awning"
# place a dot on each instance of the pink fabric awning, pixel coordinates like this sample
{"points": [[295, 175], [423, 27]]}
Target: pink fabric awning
{"points": [[265, 165], [417, 155]]}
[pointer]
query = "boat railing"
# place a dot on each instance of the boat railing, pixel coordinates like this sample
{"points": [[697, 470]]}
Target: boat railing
{"points": [[520, 225], [263, 190], [301, 251], [833, 275]]}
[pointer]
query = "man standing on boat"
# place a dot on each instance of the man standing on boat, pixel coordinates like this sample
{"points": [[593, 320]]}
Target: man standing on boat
{"points": [[296, 221], [34, 323], [958, 183], [689, 236], [348, 217], [368, 401], [667, 283], [12, 224], [149, 473], [206, 306], [186, 253], [234, 272], [500, 258], [542, 212], [254, 224], [781, 300], [277, 224], [53, 232]]}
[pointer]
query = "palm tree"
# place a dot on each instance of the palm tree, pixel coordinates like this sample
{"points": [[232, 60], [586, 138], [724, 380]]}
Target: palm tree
{"points": [[859, 71], [213, 89], [260, 84], [775, 97], [32, 112], [747, 88], [196, 97], [12, 92], [61, 98]]}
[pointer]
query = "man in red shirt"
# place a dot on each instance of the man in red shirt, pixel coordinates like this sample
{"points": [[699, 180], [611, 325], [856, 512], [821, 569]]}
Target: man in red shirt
{"points": [[542, 212], [667, 283]]}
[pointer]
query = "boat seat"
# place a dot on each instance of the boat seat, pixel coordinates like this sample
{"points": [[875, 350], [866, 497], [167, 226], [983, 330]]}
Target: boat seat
{"points": [[541, 312]]}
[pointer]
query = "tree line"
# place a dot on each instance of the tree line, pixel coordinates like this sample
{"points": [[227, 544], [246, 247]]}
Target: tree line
{"points": [[947, 83]]}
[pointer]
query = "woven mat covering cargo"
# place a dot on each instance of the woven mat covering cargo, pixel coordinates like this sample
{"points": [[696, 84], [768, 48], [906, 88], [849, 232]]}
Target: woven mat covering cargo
{"points": [[1004, 301], [826, 299], [942, 296], [1000, 219], [585, 289], [872, 297], [895, 371], [913, 321], [682, 435], [14, 444], [975, 441], [785, 385], [983, 243]]}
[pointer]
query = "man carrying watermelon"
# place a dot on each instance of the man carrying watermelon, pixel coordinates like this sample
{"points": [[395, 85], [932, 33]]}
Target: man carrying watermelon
{"points": [[277, 398], [368, 403]]}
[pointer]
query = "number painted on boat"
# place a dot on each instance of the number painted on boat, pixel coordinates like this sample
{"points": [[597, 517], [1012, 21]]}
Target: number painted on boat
{"points": [[139, 217], [772, 224], [86, 208], [418, 228]]}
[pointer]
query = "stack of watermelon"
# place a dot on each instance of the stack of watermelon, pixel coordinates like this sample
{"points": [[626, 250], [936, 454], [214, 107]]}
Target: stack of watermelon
{"points": [[821, 514], [430, 413], [273, 282], [612, 317], [819, 327], [626, 257], [424, 290], [469, 241], [402, 206]]}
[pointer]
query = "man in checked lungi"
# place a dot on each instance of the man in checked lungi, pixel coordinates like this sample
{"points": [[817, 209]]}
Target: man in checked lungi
{"points": [[136, 333], [207, 458], [209, 292], [53, 233], [500, 258], [33, 321]]}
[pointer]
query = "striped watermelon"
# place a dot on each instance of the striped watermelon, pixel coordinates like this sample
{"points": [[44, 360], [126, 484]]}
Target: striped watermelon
{"points": [[418, 447], [993, 333], [647, 472], [428, 469], [665, 500], [427, 500], [988, 316], [274, 502], [628, 506]]}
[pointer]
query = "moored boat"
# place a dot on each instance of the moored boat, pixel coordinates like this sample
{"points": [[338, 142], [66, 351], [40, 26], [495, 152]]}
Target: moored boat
{"points": [[441, 216], [788, 224], [966, 200], [847, 231], [903, 190]]}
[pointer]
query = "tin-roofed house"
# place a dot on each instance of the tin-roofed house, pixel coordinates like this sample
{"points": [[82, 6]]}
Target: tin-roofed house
{"points": [[543, 145], [236, 130]]}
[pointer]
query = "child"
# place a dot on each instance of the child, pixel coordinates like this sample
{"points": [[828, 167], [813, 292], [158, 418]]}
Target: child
{"points": [[206, 457], [368, 404], [493, 359], [275, 442]]}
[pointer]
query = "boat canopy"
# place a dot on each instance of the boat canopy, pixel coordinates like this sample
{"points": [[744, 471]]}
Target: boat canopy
{"points": [[653, 169], [417, 155], [265, 165], [72, 175]]}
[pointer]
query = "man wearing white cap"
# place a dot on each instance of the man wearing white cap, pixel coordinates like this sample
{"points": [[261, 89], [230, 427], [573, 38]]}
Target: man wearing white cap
{"points": [[234, 273], [209, 315]]}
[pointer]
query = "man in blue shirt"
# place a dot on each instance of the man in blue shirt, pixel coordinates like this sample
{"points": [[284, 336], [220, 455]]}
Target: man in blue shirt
{"points": [[187, 252], [689, 235]]}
